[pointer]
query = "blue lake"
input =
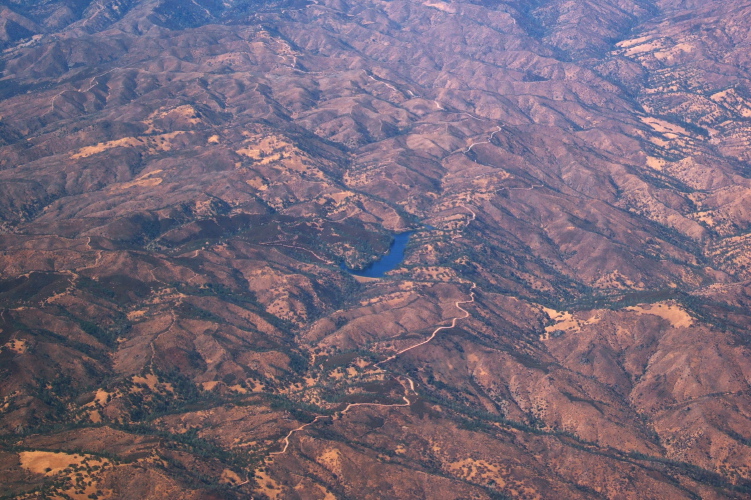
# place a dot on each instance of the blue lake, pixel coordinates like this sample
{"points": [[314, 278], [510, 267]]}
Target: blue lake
{"points": [[386, 263]]}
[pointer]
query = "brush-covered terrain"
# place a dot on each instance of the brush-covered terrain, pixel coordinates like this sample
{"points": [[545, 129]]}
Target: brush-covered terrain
{"points": [[181, 182]]}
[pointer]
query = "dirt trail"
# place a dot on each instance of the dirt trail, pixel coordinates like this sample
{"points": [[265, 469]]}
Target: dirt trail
{"points": [[284, 244], [411, 382], [75, 276], [490, 139], [407, 402], [435, 332]]}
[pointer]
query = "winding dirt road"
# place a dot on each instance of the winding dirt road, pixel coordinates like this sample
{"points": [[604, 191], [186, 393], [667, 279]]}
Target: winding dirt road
{"points": [[407, 402], [411, 382], [435, 332], [490, 139]]}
